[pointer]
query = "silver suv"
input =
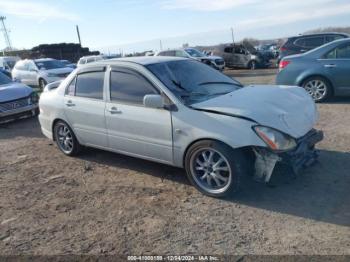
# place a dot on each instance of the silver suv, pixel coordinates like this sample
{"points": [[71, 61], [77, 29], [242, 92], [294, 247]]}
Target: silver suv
{"points": [[40, 72]]}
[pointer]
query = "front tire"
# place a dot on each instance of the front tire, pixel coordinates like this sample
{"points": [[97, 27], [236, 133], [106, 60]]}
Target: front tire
{"points": [[214, 168], [318, 87], [65, 139]]}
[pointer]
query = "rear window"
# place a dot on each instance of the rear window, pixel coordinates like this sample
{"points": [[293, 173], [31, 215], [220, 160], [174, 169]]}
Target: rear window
{"points": [[90, 85]]}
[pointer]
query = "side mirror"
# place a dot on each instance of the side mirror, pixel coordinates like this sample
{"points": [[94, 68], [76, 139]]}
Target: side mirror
{"points": [[153, 101]]}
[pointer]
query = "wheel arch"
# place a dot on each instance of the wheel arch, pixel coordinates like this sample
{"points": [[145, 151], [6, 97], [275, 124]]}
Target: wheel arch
{"points": [[246, 149], [53, 127]]}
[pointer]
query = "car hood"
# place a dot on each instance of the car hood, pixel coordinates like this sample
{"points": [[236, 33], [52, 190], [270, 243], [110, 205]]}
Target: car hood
{"points": [[288, 109], [62, 70], [14, 91]]}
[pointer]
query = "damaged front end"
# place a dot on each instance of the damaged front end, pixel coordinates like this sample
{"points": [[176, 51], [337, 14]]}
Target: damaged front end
{"points": [[303, 155]]}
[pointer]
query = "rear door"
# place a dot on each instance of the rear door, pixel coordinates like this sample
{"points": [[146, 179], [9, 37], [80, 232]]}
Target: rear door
{"points": [[132, 128], [228, 56], [337, 65], [84, 107]]}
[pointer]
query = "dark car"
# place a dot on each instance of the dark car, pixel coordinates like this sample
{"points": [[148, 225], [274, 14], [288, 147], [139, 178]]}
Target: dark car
{"points": [[242, 55], [323, 72], [303, 43]]}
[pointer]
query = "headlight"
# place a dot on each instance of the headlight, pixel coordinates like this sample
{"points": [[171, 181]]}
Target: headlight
{"points": [[34, 98], [275, 140]]}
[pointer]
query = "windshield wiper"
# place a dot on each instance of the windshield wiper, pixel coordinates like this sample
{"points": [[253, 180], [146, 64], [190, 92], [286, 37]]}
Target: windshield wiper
{"points": [[218, 82]]}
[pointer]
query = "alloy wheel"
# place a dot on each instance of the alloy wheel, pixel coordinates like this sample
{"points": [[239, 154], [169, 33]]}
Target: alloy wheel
{"points": [[211, 170], [316, 88], [65, 138]]}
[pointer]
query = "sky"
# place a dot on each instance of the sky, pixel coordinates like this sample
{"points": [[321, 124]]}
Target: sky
{"points": [[137, 25]]}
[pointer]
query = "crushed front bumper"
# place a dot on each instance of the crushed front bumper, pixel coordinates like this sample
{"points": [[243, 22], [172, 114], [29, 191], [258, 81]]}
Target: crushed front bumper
{"points": [[303, 156]]}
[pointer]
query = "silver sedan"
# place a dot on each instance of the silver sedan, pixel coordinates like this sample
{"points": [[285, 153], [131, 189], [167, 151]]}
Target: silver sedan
{"points": [[182, 113]]}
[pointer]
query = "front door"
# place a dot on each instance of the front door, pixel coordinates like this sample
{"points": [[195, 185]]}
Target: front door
{"points": [[84, 107], [132, 128]]}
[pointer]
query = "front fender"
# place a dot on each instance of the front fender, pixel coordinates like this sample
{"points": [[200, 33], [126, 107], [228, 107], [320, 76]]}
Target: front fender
{"points": [[192, 125]]}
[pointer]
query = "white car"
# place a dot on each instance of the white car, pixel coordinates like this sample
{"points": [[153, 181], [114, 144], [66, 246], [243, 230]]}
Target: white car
{"points": [[40, 72], [89, 59], [183, 113]]}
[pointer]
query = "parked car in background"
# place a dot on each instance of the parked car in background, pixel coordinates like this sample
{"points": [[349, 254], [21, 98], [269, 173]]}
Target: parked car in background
{"points": [[303, 43], [68, 63], [8, 62], [40, 72], [216, 62], [16, 100], [89, 59], [323, 72], [242, 56], [183, 113]]}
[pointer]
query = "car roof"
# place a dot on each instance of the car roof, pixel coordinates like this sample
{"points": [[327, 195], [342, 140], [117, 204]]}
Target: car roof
{"points": [[320, 34], [142, 60]]}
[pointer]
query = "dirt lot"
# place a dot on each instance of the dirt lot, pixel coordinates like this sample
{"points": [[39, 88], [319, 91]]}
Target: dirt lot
{"points": [[101, 202]]}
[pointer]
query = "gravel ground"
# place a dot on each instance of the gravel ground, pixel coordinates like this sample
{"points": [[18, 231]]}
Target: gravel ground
{"points": [[107, 203]]}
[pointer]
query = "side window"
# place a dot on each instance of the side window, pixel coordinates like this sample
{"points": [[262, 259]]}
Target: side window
{"points": [[82, 61], [310, 42], [90, 60], [129, 87], [26, 66], [31, 66], [342, 52], [90, 85], [162, 54], [70, 90]]}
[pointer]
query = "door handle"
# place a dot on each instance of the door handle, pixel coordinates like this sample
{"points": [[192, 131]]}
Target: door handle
{"points": [[330, 66], [114, 110], [69, 103]]}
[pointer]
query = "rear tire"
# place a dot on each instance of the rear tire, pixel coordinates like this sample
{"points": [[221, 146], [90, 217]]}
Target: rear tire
{"points": [[318, 87], [252, 65], [214, 168], [65, 139]]}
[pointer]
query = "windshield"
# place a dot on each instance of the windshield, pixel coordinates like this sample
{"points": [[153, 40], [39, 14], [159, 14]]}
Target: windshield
{"points": [[193, 81], [194, 52], [49, 64], [4, 80]]}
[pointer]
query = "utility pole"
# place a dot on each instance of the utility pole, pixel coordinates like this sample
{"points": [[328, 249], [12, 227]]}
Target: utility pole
{"points": [[160, 45], [78, 33], [6, 33], [233, 39]]}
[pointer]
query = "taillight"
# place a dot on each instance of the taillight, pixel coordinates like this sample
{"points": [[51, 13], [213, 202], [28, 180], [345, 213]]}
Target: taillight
{"points": [[282, 48], [283, 64]]}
